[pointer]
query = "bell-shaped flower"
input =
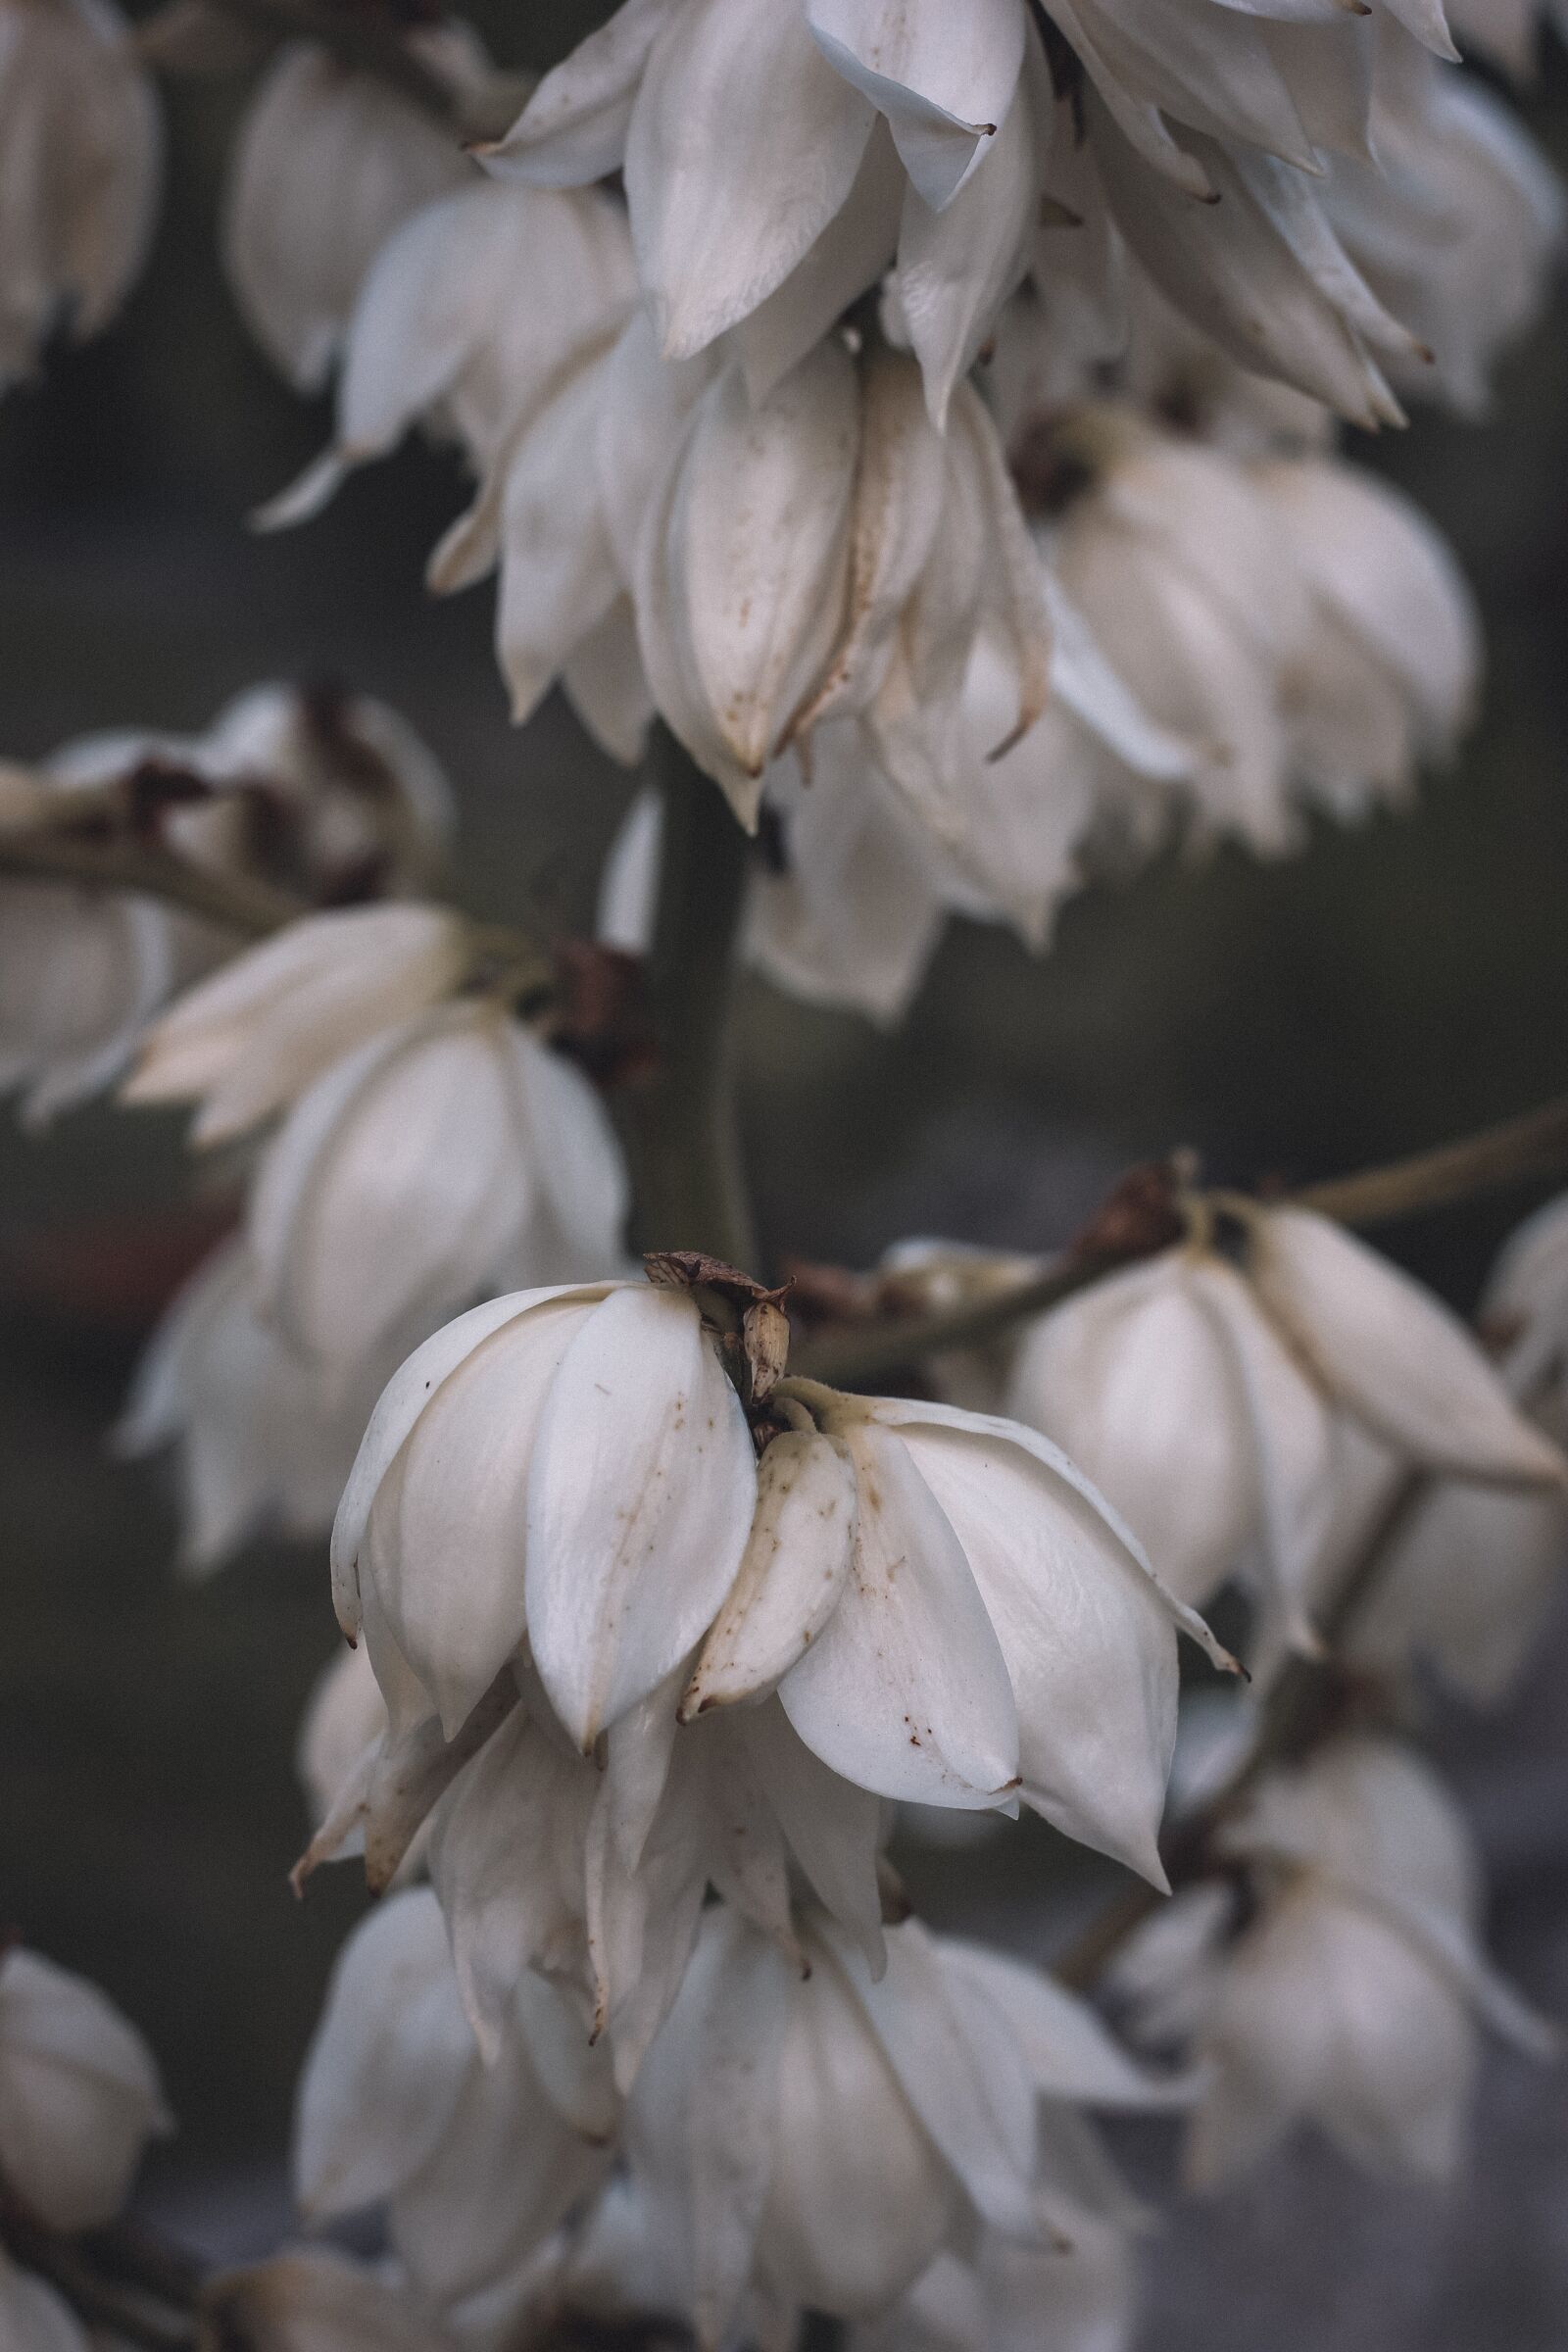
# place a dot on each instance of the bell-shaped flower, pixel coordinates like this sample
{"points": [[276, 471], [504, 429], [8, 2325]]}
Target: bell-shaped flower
{"points": [[33, 2317], [1211, 1403], [1455, 226], [1353, 1995], [83, 163], [263, 1438], [819, 2140], [471, 315], [244, 1042], [920, 144], [427, 1165], [325, 165], [997, 1635], [1173, 562], [617, 1492], [79, 2095], [1387, 671], [1390, 1354], [1173, 1392], [474, 2163], [310, 2299]]}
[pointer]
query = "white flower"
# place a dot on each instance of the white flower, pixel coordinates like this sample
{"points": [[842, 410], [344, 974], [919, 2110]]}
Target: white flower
{"points": [[855, 882], [967, 1624], [475, 2162], [618, 1494], [997, 1633], [79, 187], [263, 1437], [712, 107], [424, 1167], [79, 2095], [325, 165], [1210, 1403], [246, 1041], [1351, 1998], [1455, 226], [818, 2139], [473, 313], [1387, 672], [34, 2318], [1174, 562]]}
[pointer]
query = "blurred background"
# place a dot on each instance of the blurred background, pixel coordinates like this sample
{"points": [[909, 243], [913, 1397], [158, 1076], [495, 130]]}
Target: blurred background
{"points": [[1390, 987]]}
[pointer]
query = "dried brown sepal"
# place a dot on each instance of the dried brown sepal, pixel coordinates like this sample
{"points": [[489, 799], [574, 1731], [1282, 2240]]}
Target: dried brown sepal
{"points": [[765, 1342], [1140, 1214], [749, 1316], [601, 1013]]}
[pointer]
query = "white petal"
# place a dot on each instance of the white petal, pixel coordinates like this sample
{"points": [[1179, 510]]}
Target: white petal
{"points": [[957, 265], [1392, 1352], [1064, 2047], [79, 2095], [735, 95], [387, 2063], [906, 1690], [792, 1570], [445, 1550], [743, 569], [945, 83], [639, 1502], [574, 128], [402, 1403], [1088, 1634], [581, 1171]]}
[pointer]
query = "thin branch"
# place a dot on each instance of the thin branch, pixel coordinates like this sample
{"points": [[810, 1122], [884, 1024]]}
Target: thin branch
{"points": [[1534, 1144], [235, 902]]}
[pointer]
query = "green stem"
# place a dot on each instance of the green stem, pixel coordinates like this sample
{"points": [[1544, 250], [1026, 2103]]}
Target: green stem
{"points": [[691, 1193]]}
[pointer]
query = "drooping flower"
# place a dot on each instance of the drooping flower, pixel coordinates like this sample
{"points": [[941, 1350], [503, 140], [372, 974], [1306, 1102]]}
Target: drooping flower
{"points": [[819, 2140], [1209, 1399], [79, 2095], [78, 190], [474, 2163], [926, 153], [441, 1157], [245, 1041], [966, 1625], [1385, 676], [471, 315], [263, 1437], [325, 165], [1353, 1998]]}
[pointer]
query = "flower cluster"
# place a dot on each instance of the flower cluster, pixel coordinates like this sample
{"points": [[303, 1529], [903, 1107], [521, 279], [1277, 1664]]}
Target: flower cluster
{"points": [[80, 2100]]}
